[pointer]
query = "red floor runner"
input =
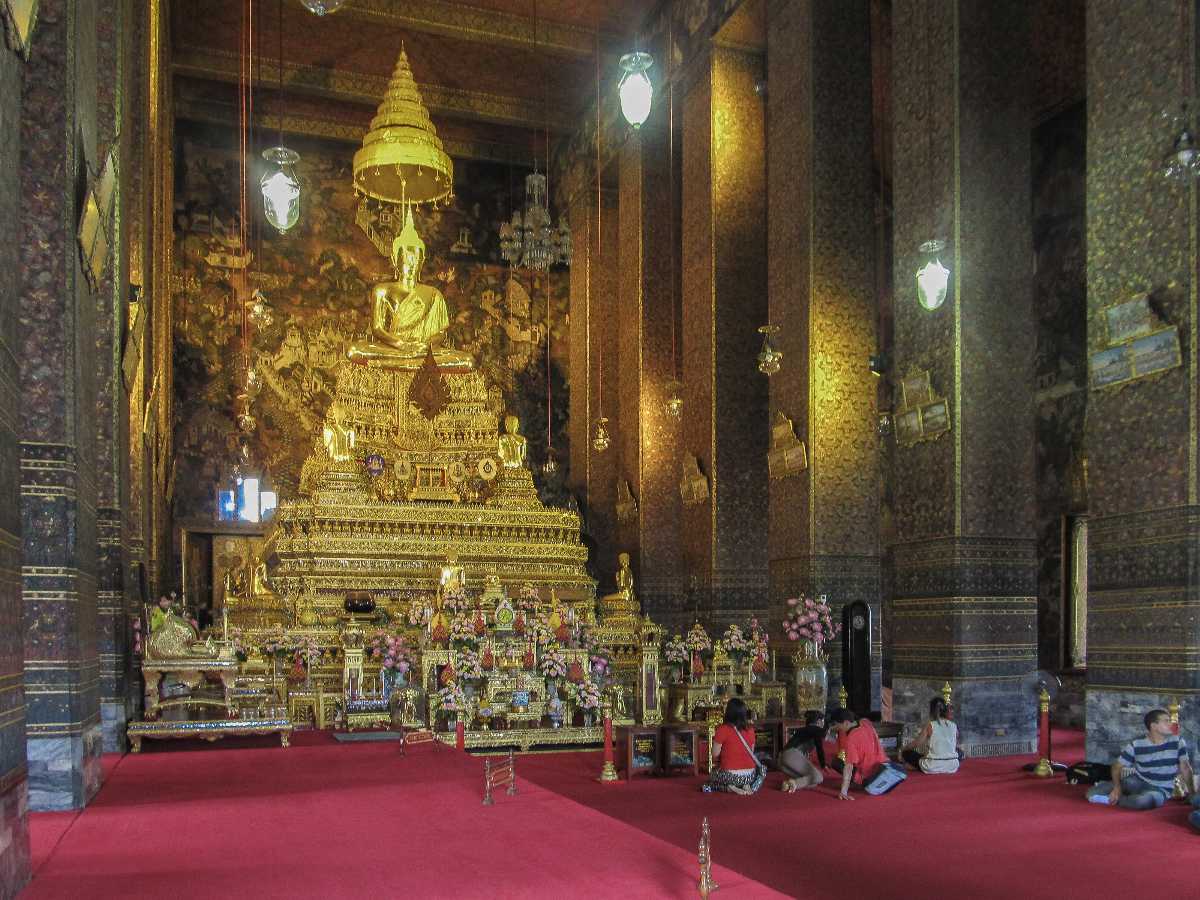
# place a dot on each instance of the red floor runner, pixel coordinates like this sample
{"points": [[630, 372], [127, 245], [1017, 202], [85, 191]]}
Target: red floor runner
{"points": [[990, 831], [346, 820]]}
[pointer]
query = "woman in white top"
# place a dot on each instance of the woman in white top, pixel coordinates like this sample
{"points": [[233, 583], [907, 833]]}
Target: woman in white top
{"points": [[935, 750]]}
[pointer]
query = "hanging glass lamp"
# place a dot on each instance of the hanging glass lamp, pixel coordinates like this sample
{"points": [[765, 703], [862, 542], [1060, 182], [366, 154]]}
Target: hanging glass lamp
{"points": [[281, 188], [322, 7], [634, 89], [933, 279]]}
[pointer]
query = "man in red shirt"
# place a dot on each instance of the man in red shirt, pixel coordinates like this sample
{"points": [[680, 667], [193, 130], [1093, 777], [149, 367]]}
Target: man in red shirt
{"points": [[860, 755]]}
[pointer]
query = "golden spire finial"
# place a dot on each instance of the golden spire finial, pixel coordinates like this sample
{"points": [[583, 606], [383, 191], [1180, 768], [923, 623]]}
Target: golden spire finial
{"points": [[408, 236], [402, 159]]}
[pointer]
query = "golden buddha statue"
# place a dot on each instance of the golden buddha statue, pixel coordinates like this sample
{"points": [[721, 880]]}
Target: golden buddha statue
{"points": [[408, 319], [338, 437], [621, 607], [453, 579], [511, 445]]}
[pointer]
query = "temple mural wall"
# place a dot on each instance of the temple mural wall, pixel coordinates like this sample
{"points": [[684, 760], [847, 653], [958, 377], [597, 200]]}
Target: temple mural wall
{"points": [[315, 281]]}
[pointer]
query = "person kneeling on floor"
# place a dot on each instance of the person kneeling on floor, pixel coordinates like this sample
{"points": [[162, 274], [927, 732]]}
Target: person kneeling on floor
{"points": [[935, 750], [1143, 777], [861, 758], [794, 760], [737, 770]]}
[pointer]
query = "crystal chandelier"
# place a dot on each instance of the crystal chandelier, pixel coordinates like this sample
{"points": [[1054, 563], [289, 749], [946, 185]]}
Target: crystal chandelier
{"points": [[322, 7], [601, 441], [769, 358], [530, 240], [674, 404], [1182, 161]]}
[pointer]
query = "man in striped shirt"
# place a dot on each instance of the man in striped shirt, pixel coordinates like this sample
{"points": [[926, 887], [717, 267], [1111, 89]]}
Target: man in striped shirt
{"points": [[1144, 775]]}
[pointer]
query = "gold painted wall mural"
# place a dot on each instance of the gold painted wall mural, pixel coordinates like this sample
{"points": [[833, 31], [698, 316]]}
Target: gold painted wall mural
{"points": [[314, 284]]}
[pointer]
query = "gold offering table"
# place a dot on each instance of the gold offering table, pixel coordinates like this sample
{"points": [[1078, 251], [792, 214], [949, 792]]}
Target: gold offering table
{"points": [[209, 730]]}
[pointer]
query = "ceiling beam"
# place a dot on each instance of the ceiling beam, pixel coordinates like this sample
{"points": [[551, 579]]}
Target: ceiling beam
{"points": [[470, 23], [368, 90]]}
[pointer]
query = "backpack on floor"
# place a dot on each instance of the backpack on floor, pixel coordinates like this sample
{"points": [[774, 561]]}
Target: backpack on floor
{"points": [[1088, 773], [889, 775]]}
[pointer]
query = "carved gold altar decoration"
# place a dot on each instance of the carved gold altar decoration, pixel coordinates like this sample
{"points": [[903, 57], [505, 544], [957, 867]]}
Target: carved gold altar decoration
{"points": [[787, 455], [693, 486], [402, 159]]}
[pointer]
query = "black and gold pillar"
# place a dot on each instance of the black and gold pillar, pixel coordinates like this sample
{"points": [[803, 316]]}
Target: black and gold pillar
{"points": [[648, 440], [724, 296], [1143, 617], [58, 382], [823, 522], [965, 563], [14, 821]]}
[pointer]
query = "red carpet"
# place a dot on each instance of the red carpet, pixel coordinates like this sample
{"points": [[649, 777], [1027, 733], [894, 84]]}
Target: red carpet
{"points": [[352, 820], [328, 820]]}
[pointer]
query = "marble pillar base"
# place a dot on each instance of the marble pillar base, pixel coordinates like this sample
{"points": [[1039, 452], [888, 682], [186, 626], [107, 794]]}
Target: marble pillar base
{"points": [[14, 839], [113, 716], [64, 772], [1115, 717], [995, 718]]}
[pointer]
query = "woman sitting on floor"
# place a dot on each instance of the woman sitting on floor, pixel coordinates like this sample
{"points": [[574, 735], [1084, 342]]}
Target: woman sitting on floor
{"points": [[737, 770], [935, 750], [794, 761]]}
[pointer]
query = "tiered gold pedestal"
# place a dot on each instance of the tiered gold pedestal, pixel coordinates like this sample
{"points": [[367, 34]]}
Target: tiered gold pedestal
{"points": [[351, 531]]}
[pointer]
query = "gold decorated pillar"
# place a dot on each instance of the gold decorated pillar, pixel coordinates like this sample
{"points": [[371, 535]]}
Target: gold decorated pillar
{"points": [[594, 347], [1143, 526], [965, 554], [648, 502], [724, 294], [823, 520]]}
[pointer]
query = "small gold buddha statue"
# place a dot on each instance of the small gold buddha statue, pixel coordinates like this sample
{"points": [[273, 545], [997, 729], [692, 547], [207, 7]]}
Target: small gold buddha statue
{"points": [[621, 605], [338, 436], [511, 446], [408, 319], [624, 577], [453, 578]]}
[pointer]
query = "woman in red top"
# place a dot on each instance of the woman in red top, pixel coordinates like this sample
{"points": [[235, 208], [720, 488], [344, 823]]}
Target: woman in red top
{"points": [[737, 770]]}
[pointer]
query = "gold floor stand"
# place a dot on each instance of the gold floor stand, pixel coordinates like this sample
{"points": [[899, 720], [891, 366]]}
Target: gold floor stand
{"points": [[527, 738]]}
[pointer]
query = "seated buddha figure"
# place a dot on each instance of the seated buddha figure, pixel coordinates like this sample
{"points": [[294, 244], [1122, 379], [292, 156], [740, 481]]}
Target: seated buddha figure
{"points": [[623, 603], [511, 445], [408, 319]]}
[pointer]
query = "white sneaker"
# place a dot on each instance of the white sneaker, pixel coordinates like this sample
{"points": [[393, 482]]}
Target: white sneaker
{"points": [[1102, 799]]}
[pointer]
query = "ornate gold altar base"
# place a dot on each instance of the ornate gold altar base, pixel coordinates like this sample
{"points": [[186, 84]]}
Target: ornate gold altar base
{"points": [[438, 485]]}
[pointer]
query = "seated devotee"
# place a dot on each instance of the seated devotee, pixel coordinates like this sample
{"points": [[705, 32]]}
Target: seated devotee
{"points": [[737, 770], [1194, 818], [861, 759], [935, 750], [1143, 777], [794, 760]]}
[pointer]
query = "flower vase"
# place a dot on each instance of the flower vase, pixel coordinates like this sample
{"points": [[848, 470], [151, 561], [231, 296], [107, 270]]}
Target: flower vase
{"points": [[810, 677]]}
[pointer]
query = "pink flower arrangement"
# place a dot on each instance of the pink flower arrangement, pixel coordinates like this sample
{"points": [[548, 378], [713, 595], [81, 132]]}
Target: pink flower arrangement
{"points": [[587, 695], [553, 664], [810, 620], [391, 651]]}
